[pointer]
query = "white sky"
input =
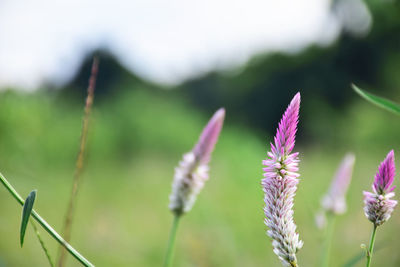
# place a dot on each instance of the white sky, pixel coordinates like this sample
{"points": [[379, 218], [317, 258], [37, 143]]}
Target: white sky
{"points": [[162, 41]]}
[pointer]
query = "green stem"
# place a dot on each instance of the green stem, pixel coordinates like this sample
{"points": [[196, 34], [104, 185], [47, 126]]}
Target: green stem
{"points": [[371, 246], [45, 225], [328, 239], [46, 251], [171, 241]]}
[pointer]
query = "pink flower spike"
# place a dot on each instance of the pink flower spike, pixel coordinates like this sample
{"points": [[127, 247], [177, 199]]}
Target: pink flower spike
{"points": [[385, 175], [280, 185], [192, 172], [379, 205], [209, 137], [286, 132]]}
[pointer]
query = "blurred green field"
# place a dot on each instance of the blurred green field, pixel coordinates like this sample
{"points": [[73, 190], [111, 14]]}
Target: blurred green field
{"points": [[136, 139]]}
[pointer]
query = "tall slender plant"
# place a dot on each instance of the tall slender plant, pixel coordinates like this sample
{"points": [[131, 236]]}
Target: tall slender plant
{"points": [[280, 185], [79, 161], [190, 176]]}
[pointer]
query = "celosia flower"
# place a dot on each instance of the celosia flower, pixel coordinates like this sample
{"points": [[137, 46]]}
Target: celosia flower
{"points": [[379, 205], [192, 171], [335, 200], [280, 185]]}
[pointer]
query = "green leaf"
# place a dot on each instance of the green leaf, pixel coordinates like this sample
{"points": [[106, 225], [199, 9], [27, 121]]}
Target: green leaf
{"points": [[26, 213], [379, 101]]}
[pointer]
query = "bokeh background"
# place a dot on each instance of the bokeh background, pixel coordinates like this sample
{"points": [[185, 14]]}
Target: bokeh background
{"points": [[164, 69]]}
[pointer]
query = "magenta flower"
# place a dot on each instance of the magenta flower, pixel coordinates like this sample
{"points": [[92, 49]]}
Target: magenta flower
{"points": [[379, 205], [192, 171], [280, 185], [335, 200]]}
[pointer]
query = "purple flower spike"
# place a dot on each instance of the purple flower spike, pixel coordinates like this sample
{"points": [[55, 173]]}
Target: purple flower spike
{"points": [[192, 171], [379, 205], [280, 185], [385, 175], [335, 200], [286, 132]]}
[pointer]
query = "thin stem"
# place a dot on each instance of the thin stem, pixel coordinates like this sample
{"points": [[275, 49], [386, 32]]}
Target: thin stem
{"points": [[45, 225], [371, 246], [171, 241], [328, 239], [79, 161], [46, 251]]}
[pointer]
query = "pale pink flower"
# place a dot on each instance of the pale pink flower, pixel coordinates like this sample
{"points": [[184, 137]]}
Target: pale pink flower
{"points": [[335, 200], [280, 185], [192, 171]]}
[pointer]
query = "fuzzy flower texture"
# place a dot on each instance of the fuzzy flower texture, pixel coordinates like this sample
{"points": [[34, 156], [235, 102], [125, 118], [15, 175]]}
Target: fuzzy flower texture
{"points": [[192, 171], [280, 185], [378, 204]]}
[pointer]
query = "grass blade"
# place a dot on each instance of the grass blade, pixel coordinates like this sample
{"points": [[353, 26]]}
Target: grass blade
{"points": [[379, 101], [357, 258], [26, 213], [79, 161]]}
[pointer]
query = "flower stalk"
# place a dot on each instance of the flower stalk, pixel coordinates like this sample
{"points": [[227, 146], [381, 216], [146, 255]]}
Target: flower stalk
{"points": [[171, 241], [79, 161], [327, 244], [371, 246]]}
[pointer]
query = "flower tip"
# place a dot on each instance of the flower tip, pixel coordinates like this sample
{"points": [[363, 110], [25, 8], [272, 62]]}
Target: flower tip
{"points": [[297, 96], [209, 136], [350, 158], [296, 100], [390, 155], [220, 114]]}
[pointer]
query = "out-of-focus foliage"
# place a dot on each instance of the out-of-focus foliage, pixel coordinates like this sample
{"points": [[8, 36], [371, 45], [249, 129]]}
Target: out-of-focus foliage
{"points": [[254, 93], [136, 140], [139, 132], [379, 101]]}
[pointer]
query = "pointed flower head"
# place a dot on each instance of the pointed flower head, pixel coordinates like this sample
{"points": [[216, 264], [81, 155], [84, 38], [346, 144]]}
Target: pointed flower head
{"points": [[209, 137], [385, 175], [335, 200], [378, 204], [280, 185], [192, 171]]}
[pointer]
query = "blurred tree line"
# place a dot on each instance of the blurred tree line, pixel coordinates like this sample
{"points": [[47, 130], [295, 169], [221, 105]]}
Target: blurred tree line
{"points": [[256, 95]]}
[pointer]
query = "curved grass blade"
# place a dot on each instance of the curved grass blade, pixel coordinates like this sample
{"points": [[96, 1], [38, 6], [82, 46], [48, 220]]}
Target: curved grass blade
{"points": [[357, 258], [379, 101], [26, 213]]}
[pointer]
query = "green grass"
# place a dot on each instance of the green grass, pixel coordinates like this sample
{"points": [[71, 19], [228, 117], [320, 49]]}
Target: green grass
{"points": [[135, 142]]}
